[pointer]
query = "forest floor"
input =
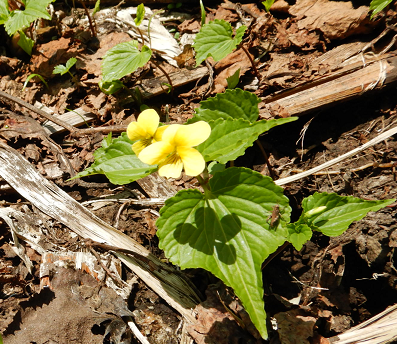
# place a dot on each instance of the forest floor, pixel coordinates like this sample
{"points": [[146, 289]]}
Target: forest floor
{"points": [[326, 288]]}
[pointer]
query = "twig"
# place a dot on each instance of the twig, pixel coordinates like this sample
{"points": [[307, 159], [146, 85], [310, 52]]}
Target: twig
{"points": [[167, 76], [374, 165], [89, 19], [252, 63], [136, 331], [270, 169], [39, 111], [106, 129]]}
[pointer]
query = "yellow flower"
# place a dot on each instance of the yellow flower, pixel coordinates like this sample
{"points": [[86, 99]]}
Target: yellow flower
{"points": [[175, 151], [145, 130]]}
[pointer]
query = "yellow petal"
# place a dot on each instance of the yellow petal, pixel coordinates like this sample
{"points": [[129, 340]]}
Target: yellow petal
{"points": [[171, 167], [192, 135], [169, 133], [135, 131], [140, 145], [159, 133], [192, 159], [149, 120], [155, 153]]}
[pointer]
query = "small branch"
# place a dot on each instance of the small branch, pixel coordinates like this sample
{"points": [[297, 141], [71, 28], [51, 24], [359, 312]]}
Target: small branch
{"points": [[38, 111], [271, 171], [167, 76], [252, 63], [93, 32]]}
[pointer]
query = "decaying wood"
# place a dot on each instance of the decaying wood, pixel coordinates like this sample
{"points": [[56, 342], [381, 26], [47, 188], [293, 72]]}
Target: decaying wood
{"points": [[155, 86], [157, 186], [54, 202], [75, 118], [349, 82], [380, 329], [38, 111]]}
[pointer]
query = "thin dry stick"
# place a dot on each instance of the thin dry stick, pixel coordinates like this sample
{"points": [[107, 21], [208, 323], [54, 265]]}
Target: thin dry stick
{"points": [[252, 63], [370, 143], [167, 76], [38, 111], [89, 19], [271, 171]]}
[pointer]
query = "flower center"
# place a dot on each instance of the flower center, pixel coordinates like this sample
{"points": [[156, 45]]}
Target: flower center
{"points": [[146, 142], [172, 158]]}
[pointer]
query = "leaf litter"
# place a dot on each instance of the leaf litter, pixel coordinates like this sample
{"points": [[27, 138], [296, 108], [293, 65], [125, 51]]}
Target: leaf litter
{"points": [[352, 265]]}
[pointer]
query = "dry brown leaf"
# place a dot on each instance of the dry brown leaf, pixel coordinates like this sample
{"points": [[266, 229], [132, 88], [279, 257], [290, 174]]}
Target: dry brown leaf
{"points": [[336, 19], [189, 25], [227, 67], [51, 54], [294, 328]]}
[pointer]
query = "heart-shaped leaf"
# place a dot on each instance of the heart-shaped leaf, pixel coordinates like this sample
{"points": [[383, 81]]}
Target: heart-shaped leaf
{"points": [[215, 39], [227, 232], [339, 213], [230, 137], [236, 103], [34, 9], [118, 162], [124, 58]]}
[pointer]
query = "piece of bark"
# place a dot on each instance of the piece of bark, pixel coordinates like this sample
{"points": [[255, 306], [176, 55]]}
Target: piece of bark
{"points": [[155, 86], [75, 118], [349, 82], [53, 201]]}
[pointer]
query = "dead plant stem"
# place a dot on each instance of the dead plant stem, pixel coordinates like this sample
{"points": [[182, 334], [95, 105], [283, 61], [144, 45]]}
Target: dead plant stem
{"points": [[252, 63], [167, 76], [265, 154], [93, 32]]}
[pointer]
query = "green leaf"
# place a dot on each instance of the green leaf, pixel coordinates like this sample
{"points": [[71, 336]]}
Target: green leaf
{"points": [[378, 5], [339, 213], [233, 80], [34, 9], [61, 69], [118, 162], [215, 39], [140, 14], [25, 43], [299, 234], [267, 4], [227, 233], [230, 137], [30, 76], [110, 87], [236, 103], [124, 58], [97, 6], [215, 167], [4, 12]]}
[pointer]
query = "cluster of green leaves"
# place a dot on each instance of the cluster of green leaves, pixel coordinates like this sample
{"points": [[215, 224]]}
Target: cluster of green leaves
{"points": [[227, 229], [378, 5], [267, 4], [61, 69], [17, 20], [215, 39]]}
